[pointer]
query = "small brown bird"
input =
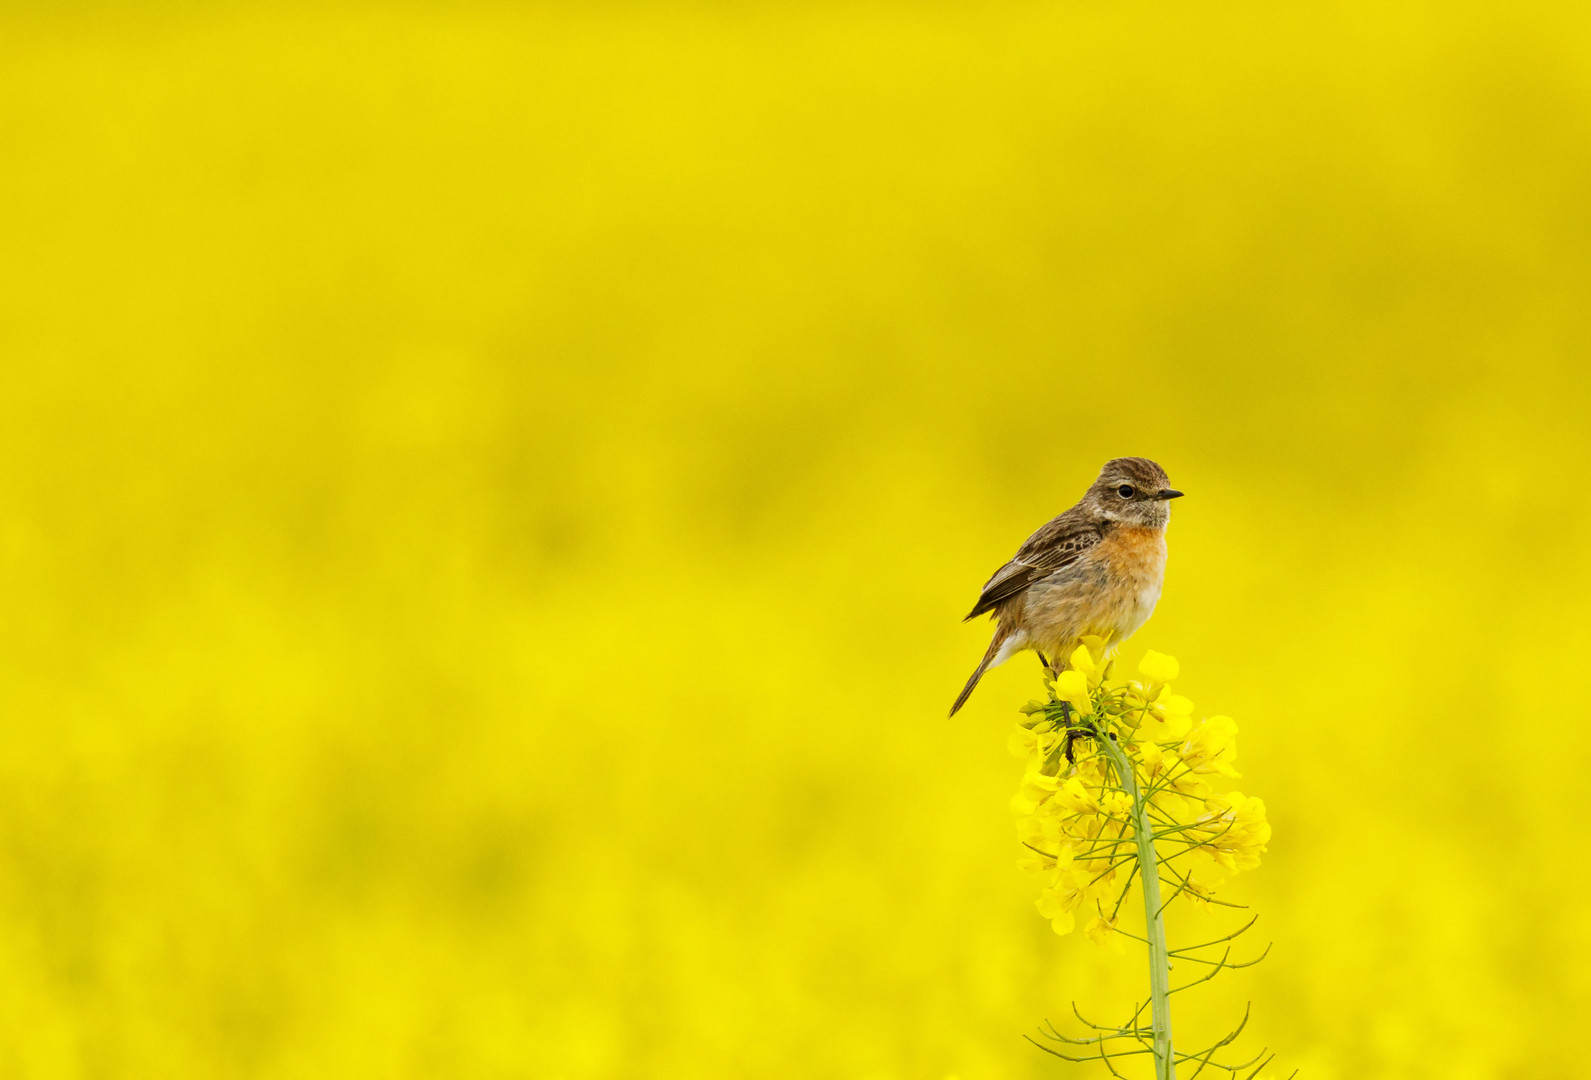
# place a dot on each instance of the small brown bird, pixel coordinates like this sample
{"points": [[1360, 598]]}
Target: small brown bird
{"points": [[1096, 570]]}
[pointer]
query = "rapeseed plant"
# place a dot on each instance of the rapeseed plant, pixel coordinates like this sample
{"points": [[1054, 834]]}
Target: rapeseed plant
{"points": [[1117, 790]]}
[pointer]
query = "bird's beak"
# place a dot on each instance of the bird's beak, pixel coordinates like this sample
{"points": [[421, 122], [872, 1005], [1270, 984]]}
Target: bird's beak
{"points": [[1169, 493]]}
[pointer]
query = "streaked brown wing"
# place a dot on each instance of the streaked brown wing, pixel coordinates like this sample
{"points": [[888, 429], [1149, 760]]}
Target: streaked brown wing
{"points": [[1060, 542]]}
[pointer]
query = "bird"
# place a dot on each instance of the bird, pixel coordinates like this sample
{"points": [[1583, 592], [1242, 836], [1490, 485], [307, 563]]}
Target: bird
{"points": [[1094, 570]]}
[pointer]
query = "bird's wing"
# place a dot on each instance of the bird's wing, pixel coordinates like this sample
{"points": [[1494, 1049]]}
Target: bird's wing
{"points": [[1056, 545]]}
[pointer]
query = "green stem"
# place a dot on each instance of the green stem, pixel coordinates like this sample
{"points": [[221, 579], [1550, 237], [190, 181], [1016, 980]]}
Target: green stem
{"points": [[1154, 917]]}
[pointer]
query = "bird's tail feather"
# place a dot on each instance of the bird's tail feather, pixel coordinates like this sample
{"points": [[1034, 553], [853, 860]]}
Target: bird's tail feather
{"points": [[983, 665]]}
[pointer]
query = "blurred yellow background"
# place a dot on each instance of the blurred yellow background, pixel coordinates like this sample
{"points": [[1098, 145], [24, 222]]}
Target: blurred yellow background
{"points": [[488, 494]]}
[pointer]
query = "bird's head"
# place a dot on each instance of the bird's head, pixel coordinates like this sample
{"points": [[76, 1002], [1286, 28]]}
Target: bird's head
{"points": [[1133, 491]]}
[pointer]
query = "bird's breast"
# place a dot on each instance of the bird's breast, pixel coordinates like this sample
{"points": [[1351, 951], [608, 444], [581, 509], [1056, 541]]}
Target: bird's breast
{"points": [[1111, 591], [1136, 560]]}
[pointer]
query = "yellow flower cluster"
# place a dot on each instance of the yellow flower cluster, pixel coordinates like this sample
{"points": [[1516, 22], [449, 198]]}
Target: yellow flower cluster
{"points": [[1076, 814]]}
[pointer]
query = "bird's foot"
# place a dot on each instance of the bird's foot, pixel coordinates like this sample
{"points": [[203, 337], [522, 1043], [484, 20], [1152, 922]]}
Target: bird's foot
{"points": [[1071, 737]]}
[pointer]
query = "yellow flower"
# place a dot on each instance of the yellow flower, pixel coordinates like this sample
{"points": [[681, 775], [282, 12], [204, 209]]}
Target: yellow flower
{"points": [[1036, 787], [1158, 668], [1071, 686], [1082, 661], [1101, 874], [1035, 862], [1151, 757], [1063, 897], [1102, 931], [1039, 786], [1211, 747], [1236, 830], [1025, 742], [1062, 923], [1177, 805], [1099, 645], [1077, 825], [1167, 768], [1077, 798], [1042, 831], [1168, 706], [1091, 768], [1200, 891], [1168, 718]]}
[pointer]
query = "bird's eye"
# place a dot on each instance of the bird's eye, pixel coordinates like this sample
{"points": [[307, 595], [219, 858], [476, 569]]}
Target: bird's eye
{"points": [[1125, 491]]}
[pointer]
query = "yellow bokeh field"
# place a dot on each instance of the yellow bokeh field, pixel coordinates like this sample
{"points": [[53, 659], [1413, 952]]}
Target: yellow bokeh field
{"points": [[487, 494]]}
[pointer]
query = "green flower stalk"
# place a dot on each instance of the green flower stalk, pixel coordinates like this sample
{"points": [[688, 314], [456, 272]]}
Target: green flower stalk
{"points": [[1118, 790]]}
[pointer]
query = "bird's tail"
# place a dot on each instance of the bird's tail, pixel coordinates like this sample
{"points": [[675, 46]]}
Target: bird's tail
{"points": [[983, 665]]}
